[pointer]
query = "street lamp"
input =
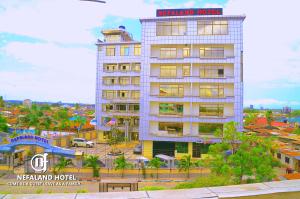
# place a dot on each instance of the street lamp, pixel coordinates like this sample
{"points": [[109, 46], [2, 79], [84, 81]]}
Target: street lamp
{"points": [[97, 1]]}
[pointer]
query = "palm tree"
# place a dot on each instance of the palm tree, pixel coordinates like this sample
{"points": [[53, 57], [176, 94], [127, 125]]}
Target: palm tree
{"points": [[92, 161], [2, 102], [62, 163], [156, 163], [3, 124], [185, 163], [120, 163]]}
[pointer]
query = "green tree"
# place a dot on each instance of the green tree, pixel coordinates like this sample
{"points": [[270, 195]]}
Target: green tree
{"points": [[3, 124], [78, 122], [185, 164], [295, 113], [250, 118], [120, 163], [296, 131], [62, 163], [92, 161], [2, 102], [269, 117], [156, 163], [116, 138]]}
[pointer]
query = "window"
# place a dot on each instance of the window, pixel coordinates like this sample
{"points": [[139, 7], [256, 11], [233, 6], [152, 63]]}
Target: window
{"points": [[186, 52], [124, 50], [211, 91], [134, 107], [186, 70], [168, 53], [108, 107], [121, 107], [168, 71], [181, 147], [136, 67], [110, 80], [112, 38], [211, 52], [124, 67], [170, 109], [124, 80], [135, 80], [123, 94], [212, 27], [209, 127], [108, 94], [170, 28], [110, 67], [211, 72], [171, 90], [279, 155], [287, 160], [137, 49], [171, 128], [135, 94], [110, 50], [215, 110]]}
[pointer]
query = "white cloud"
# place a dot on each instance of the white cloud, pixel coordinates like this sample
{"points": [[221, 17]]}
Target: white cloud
{"points": [[270, 30], [57, 73], [67, 21]]}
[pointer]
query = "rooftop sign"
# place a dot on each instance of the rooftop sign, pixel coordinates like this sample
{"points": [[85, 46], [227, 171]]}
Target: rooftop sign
{"points": [[189, 12]]}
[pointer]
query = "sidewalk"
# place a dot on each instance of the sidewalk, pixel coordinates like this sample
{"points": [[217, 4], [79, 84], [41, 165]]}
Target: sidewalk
{"points": [[209, 193]]}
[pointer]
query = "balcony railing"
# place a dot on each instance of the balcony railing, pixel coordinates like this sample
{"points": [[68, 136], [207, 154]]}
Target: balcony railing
{"points": [[193, 76], [166, 134]]}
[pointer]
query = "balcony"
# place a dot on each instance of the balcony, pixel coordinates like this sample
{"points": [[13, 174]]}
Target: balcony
{"points": [[121, 113], [166, 134]]}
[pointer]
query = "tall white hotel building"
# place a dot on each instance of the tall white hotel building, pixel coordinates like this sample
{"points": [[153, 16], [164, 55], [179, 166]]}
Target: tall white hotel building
{"points": [[178, 85]]}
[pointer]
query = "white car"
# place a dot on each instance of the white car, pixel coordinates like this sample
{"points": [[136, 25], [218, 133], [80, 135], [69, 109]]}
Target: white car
{"points": [[76, 142]]}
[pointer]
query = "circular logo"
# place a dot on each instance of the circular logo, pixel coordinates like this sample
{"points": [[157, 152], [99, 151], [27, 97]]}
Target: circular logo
{"points": [[39, 162]]}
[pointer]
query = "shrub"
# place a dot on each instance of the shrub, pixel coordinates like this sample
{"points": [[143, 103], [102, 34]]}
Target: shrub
{"points": [[152, 188], [207, 181]]}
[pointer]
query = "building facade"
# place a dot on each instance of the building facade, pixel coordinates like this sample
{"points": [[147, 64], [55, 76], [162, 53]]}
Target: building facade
{"points": [[191, 81]]}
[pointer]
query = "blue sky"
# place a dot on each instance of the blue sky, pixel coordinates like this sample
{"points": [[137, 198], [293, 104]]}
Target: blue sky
{"points": [[47, 50]]}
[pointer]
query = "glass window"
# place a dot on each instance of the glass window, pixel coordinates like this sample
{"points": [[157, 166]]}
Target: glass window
{"points": [[108, 94], [121, 107], [211, 52], [170, 28], [137, 49], [186, 52], [209, 127], [186, 70], [135, 80], [134, 107], [110, 80], [124, 80], [136, 67], [110, 67], [168, 53], [170, 109], [212, 72], [212, 27], [124, 67], [110, 50], [107, 107], [123, 94], [171, 90], [215, 110], [171, 128], [112, 38], [181, 147], [124, 51], [135, 94], [287, 160], [168, 71], [212, 91]]}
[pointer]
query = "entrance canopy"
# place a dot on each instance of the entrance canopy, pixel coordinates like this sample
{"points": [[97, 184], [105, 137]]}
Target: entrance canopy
{"points": [[35, 140]]}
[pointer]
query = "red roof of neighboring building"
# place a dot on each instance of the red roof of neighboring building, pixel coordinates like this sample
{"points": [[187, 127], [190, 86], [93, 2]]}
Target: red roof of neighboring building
{"points": [[262, 121]]}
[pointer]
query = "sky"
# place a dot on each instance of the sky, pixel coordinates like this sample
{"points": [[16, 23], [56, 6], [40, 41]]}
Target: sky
{"points": [[48, 52]]}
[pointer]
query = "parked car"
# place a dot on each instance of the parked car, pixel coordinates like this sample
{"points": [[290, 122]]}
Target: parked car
{"points": [[76, 142], [137, 149]]}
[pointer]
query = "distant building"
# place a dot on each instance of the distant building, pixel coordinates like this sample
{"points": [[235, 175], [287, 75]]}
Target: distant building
{"points": [[27, 103], [261, 108], [251, 106], [286, 110]]}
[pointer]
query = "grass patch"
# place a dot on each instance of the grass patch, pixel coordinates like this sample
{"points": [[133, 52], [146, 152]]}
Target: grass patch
{"points": [[152, 188], [39, 191], [206, 181], [82, 191]]}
